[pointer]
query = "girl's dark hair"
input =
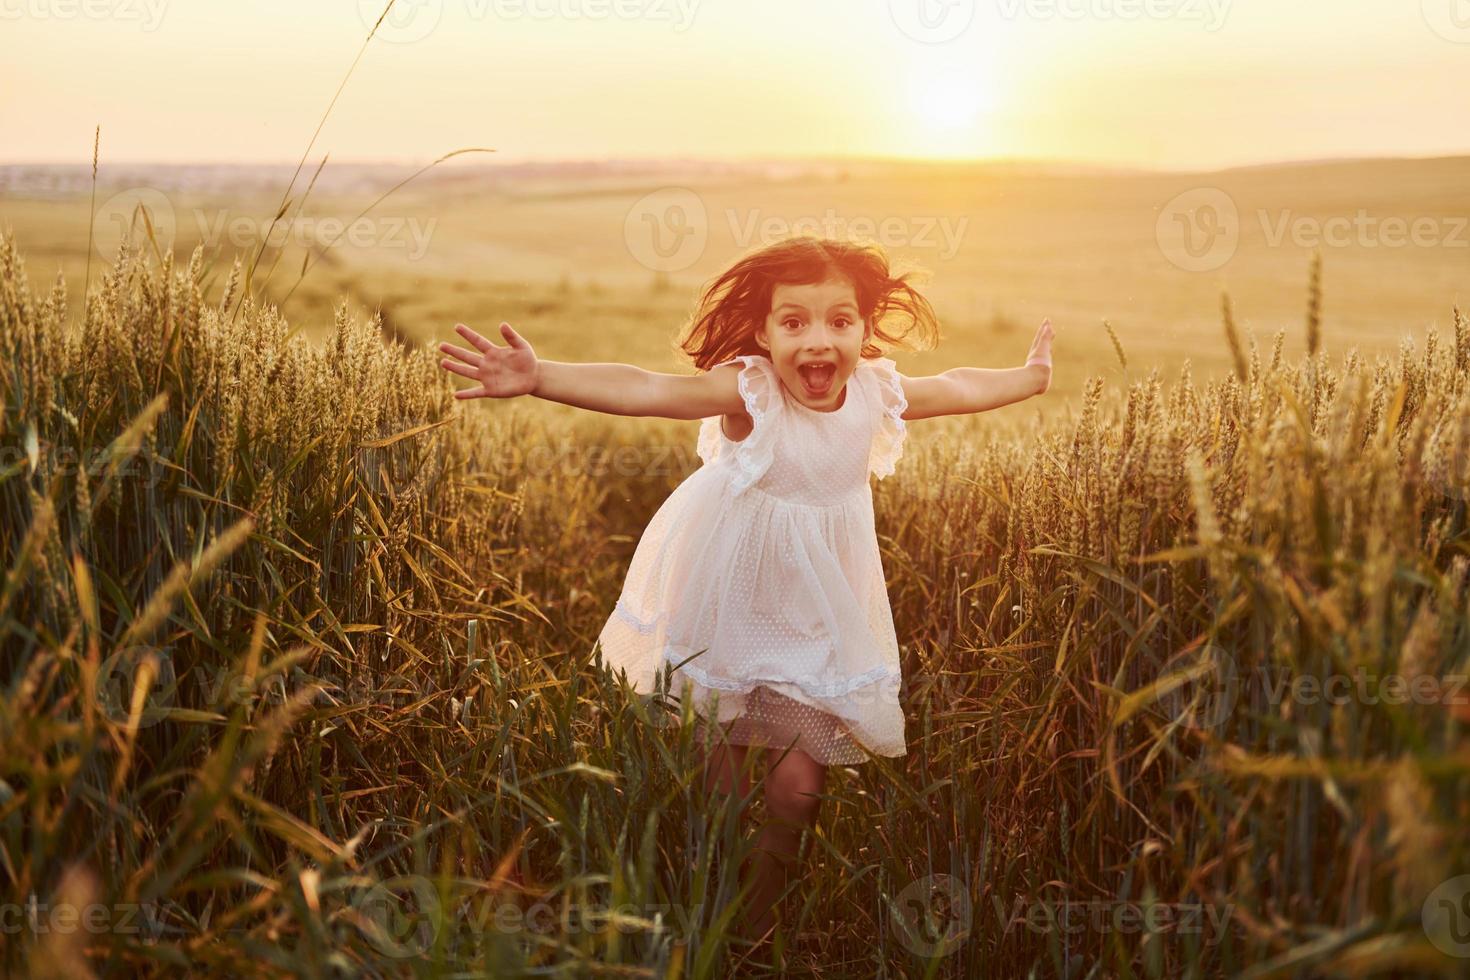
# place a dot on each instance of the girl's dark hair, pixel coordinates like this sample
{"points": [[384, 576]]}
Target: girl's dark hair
{"points": [[737, 301]]}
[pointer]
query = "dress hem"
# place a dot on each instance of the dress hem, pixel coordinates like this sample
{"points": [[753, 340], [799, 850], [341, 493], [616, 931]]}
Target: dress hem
{"points": [[745, 686]]}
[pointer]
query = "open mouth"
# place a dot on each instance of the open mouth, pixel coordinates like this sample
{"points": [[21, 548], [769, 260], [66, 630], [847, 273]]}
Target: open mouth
{"points": [[817, 378]]}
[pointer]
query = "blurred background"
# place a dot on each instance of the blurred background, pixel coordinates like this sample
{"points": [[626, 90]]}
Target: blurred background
{"points": [[1086, 160]]}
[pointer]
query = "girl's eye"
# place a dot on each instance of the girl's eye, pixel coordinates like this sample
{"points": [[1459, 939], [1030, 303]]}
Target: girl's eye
{"points": [[793, 322]]}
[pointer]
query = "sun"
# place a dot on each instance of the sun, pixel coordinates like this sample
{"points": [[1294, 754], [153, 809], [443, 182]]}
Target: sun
{"points": [[950, 97], [949, 107]]}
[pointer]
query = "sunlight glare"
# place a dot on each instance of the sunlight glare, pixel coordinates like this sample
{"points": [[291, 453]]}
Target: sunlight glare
{"points": [[949, 97]]}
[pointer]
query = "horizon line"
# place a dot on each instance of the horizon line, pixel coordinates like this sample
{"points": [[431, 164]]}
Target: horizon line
{"points": [[481, 162]]}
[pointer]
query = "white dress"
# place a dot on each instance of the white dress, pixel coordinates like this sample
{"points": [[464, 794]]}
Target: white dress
{"points": [[760, 578]]}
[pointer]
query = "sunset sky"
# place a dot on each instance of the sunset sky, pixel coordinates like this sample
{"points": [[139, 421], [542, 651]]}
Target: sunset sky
{"points": [[1163, 83]]}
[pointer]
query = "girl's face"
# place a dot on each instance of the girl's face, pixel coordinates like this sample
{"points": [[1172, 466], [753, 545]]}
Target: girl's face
{"points": [[814, 337]]}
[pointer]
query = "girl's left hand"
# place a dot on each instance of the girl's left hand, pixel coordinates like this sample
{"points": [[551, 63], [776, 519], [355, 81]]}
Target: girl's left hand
{"points": [[1040, 353]]}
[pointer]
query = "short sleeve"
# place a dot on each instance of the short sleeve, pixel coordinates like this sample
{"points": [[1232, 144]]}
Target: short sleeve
{"points": [[889, 428], [760, 390]]}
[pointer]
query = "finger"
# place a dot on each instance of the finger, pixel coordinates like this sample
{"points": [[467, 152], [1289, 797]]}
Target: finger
{"points": [[514, 339], [468, 356], [459, 369], [471, 393], [483, 343]]}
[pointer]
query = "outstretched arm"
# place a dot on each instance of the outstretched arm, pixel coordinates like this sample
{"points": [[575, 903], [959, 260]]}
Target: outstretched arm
{"points": [[963, 390], [613, 388]]}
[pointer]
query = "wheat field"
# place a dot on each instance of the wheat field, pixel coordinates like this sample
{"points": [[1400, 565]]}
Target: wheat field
{"points": [[299, 680]]}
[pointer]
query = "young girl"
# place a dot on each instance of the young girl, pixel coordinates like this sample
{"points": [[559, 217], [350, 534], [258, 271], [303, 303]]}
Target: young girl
{"points": [[758, 581]]}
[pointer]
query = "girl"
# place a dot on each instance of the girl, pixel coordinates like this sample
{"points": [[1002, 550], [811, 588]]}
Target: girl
{"points": [[758, 581]]}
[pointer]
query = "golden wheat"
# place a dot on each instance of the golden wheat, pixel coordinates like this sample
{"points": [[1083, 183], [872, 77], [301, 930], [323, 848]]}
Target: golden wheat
{"points": [[378, 604]]}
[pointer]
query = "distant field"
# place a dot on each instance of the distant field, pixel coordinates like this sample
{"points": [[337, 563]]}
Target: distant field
{"points": [[567, 252]]}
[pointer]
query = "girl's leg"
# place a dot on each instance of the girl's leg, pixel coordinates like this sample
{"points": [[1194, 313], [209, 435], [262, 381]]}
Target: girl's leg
{"points": [[723, 766], [791, 785], [723, 773]]}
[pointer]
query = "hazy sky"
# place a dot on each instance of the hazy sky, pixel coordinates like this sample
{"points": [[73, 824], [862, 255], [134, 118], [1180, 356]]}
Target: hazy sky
{"points": [[1168, 83]]}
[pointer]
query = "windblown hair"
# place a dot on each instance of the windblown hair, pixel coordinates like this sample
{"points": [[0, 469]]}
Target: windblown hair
{"points": [[735, 303]]}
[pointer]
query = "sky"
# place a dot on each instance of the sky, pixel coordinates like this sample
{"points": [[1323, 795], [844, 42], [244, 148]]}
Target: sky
{"points": [[1170, 84]]}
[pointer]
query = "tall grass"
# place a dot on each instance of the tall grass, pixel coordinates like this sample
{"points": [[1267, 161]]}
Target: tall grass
{"points": [[299, 676]]}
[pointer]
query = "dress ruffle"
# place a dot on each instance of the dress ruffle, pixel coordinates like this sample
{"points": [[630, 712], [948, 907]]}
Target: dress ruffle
{"points": [[759, 388], [889, 437], [810, 687]]}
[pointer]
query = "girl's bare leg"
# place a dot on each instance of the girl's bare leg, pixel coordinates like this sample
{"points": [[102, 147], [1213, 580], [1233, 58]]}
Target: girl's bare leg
{"points": [[791, 788], [723, 772], [723, 766]]}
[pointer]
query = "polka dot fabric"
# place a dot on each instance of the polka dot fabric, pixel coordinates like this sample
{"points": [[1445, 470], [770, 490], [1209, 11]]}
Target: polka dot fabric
{"points": [[759, 578]]}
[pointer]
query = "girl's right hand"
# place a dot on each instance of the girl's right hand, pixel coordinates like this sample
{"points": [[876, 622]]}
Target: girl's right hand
{"points": [[1040, 354], [503, 372]]}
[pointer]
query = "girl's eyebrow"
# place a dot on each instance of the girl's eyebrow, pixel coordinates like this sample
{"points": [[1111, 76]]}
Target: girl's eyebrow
{"points": [[835, 306]]}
